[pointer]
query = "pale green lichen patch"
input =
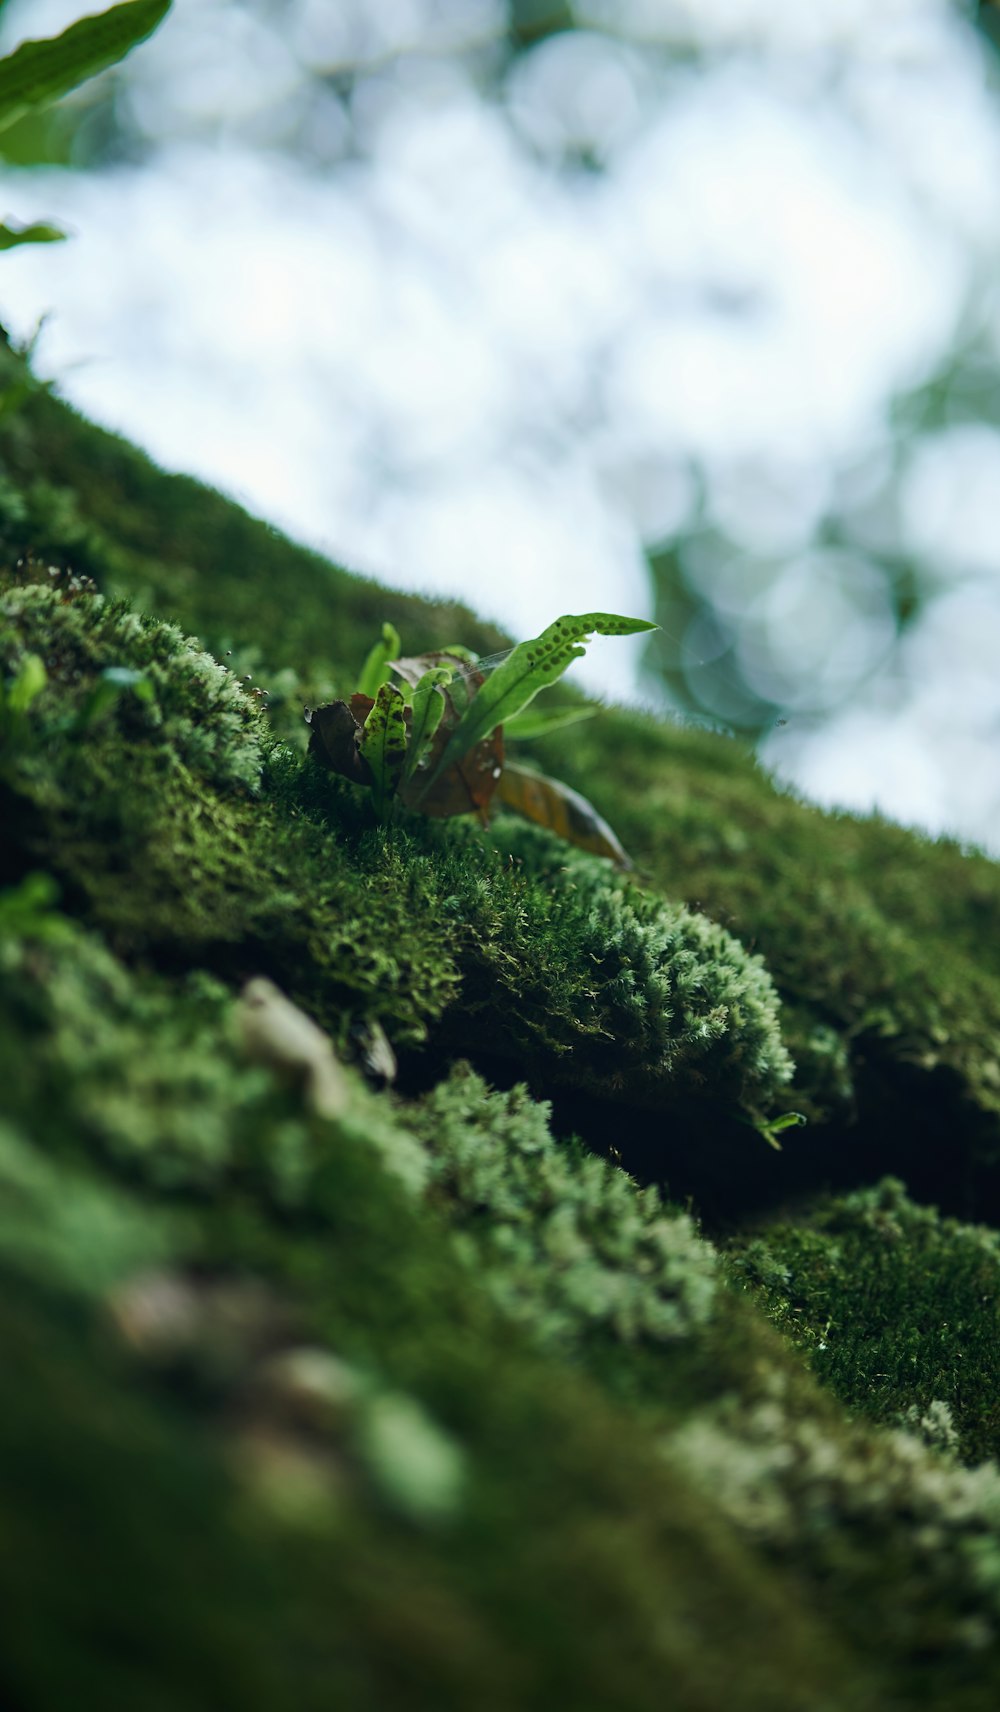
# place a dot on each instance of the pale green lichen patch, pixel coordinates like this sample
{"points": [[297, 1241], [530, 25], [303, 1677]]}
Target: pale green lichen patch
{"points": [[843, 1504]]}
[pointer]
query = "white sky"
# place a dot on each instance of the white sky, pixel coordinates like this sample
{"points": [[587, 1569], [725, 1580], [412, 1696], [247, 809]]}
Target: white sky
{"points": [[460, 370]]}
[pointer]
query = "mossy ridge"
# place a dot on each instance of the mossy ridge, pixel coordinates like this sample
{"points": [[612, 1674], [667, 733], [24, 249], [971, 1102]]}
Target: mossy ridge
{"points": [[360, 1271], [181, 866], [547, 1229], [882, 935], [147, 818], [914, 1539], [564, 1242], [235, 1178], [564, 1509], [896, 1309], [875, 936]]}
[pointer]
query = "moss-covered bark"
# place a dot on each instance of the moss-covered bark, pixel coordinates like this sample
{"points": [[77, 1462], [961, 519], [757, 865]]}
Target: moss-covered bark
{"points": [[424, 1401]]}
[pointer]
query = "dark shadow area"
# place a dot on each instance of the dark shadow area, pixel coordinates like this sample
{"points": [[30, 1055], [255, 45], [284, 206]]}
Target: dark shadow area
{"points": [[912, 1124]]}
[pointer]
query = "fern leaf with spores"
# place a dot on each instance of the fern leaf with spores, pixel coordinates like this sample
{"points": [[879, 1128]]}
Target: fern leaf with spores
{"points": [[527, 669], [383, 745]]}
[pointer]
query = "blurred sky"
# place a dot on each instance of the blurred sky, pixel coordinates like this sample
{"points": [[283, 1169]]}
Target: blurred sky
{"points": [[492, 337]]}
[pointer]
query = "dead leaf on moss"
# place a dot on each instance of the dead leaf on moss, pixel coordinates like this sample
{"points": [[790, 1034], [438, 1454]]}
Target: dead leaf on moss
{"points": [[554, 805]]}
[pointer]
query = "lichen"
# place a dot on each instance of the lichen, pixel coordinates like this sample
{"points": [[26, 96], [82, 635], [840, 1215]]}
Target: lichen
{"points": [[840, 1505]]}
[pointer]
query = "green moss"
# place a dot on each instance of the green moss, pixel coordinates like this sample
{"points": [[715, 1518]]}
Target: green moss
{"points": [[885, 938], [896, 1308], [466, 1478], [59, 1227], [425, 1406], [564, 1243], [880, 937], [915, 1540], [147, 814], [149, 1076]]}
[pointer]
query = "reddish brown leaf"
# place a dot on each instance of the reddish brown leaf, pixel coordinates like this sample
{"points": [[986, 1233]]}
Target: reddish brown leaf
{"points": [[465, 788], [561, 810]]}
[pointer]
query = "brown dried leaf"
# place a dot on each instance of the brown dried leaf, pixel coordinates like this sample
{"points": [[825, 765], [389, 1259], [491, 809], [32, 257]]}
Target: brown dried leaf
{"points": [[336, 730], [466, 787], [560, 809]]}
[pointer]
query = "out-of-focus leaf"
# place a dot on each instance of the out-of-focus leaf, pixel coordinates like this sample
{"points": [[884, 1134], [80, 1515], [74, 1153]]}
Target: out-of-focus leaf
{"points": [[110, 685], [539, 721], [560, 809], [30, 681], [29, 910], [383, 744], [771, 1128], [526, 670], [39, 233], [41, 71], [375, 671]]}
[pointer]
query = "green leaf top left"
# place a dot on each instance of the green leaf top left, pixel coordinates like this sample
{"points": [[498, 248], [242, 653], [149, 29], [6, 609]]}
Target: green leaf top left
{"points": [[38, 72]]}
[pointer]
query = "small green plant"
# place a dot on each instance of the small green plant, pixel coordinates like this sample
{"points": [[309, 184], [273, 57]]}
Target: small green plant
{"points": [[30, 910], [435, 741], [16, 696], [39, 72], [771, 1128], [112, 683]]}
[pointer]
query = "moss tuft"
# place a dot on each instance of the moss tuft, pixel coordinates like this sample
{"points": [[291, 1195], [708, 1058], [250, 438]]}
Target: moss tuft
{"points": [[896, 1308], [563, 1242]]}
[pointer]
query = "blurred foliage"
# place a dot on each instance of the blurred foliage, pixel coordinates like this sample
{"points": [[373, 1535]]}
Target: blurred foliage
{"points": [[760, 618]]}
